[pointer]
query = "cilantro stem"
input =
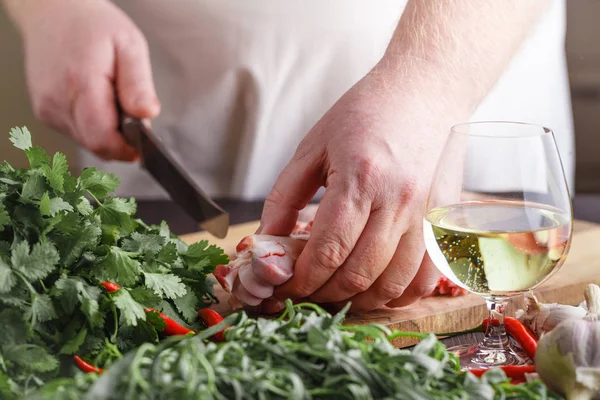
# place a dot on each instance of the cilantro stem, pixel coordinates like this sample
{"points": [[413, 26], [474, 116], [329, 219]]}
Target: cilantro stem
{"points": [[113, 337], [95, 198]]}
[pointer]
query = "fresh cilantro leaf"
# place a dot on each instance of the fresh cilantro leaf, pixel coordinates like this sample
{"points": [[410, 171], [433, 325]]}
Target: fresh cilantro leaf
{"points": [[202, 266], [37, 156], [41, 309], [45, 204], [57, 205], [18, 297], [84, 207], [55, 174], [201, 250], [98, 183], [168, 254], [154, 318], [145, 296], [53, 206], [74, 245], [74, 343], [164, 230], [116, 211], [132, 336], [34, 187], [70, 288], [166, 308], [120, 267], [69, 224], [144, 243], [188, 306], [4, 217], [7, 277], [20, 138], [14, 329], [165, 285], [37, 264], [31, 356], [131, 310]]}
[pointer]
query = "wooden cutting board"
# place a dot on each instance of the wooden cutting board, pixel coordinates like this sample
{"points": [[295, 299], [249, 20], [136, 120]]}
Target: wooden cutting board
{"points": [[453, 314]]}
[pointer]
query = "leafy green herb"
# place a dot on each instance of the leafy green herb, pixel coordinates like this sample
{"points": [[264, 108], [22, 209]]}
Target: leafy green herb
{"points": [[304, 354], [56, 248]]}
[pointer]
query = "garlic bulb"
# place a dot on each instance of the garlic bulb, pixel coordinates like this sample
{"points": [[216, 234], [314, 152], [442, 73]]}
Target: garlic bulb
{"points": [[542, 318], [568, 358]]}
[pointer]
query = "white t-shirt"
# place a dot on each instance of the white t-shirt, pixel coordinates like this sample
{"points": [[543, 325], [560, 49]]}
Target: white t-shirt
{"points": [[242, 82]]}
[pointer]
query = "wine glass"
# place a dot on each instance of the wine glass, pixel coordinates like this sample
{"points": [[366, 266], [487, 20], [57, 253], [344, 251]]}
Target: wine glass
{"points": [[498, 222]]}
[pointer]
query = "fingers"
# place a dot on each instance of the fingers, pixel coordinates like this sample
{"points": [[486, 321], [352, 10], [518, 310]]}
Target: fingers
{"points": [[135, 86], [293, 189], [95, 122], [422, 285], [339, 221], [397, 277], [368, 260]]}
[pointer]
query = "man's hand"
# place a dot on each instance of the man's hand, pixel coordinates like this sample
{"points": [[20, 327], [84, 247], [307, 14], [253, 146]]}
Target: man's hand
{"points": [[366, 242], [79, 56], [376, 149]]}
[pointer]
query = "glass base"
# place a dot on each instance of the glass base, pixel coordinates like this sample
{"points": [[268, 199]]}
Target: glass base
{"points": [[476, 356]]}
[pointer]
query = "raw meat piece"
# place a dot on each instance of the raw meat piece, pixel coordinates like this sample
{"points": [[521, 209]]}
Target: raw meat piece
{"points": [[261, 263], [445, 286]]}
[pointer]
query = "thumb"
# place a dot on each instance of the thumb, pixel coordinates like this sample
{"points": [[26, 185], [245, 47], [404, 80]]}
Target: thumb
{"points": [[135, 86], [292, 191]]}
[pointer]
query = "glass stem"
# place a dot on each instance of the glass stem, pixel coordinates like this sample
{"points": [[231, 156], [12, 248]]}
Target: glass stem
{"points": [[495, 336]]}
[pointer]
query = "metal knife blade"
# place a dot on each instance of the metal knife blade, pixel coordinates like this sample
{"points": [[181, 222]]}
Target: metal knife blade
{"points": [[173, 178]]}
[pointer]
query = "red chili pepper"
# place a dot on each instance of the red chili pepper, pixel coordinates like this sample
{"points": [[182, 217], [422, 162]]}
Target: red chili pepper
{"points": [[86, 367], [172, 328], [212, 318], [522, 334], [110, 287], [486, 323], [515, 372]]}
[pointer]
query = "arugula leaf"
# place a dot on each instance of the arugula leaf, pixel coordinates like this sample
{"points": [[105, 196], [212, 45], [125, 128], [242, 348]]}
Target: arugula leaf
{"points": [[165, 285], [98, 183], [7, 278], [20, 138], [120, 267], [31, 356], [131, 310], [37, 264]]}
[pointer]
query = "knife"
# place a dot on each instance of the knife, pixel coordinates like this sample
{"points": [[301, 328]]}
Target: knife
{"points": [[172, 177]]}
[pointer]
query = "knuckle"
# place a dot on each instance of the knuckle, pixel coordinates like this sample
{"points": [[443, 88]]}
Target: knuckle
{"points": [[368, 173], [355, 282], [330, 254], [390, 290], [75, 77]]}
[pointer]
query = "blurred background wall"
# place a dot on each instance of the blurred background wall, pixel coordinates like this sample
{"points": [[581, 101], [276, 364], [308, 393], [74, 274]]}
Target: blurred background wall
{"points": [[14, 102], [583, 50]]}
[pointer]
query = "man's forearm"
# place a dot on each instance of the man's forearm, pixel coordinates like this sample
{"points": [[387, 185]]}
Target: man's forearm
{"points": [[453, 52]]}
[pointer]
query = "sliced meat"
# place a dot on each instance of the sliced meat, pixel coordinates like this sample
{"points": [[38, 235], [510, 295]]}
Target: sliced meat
{"points": [[261, 263]]}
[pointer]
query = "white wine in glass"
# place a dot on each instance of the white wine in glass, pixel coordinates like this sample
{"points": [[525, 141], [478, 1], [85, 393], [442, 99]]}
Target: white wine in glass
{"points": [[498, 222]]}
